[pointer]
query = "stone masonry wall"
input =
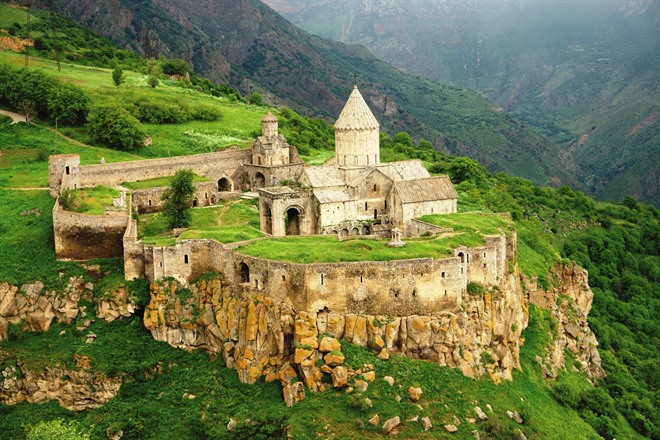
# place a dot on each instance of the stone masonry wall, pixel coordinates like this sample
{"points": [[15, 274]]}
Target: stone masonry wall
{"points": [[81, 236]]}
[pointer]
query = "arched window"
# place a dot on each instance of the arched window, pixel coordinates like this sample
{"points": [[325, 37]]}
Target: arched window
{"points": [[461, 255], [243, 273], [185, 259]]}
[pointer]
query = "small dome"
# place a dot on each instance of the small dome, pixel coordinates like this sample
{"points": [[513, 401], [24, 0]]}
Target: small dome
{"points": [[356, 114], [269, 117]]}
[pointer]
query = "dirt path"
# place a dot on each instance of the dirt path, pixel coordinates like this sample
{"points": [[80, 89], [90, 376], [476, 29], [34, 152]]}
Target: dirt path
{"points": [[28, 189], [15, 117]]}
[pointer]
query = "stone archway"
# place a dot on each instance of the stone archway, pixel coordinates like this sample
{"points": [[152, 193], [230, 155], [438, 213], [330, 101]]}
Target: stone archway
{"points": [[461, 255], [224, 184], [268, 220], [259, 181], [292, 221]]}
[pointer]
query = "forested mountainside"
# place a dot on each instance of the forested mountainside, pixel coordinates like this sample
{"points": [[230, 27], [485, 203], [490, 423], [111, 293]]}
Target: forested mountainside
{"points": [[582, 73], [247, 44]]}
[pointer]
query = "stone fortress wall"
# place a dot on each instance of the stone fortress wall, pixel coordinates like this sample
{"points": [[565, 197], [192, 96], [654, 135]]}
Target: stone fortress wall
{"points": [[397, 288]]}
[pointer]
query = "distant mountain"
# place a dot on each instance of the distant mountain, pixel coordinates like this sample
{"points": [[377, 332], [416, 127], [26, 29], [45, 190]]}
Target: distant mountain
{"points": [[246, 43], [584, 73]]}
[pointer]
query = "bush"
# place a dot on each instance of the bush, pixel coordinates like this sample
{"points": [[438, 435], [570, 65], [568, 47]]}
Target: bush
{"points": [[476, 288], [56, 429], [68, 104], [115, 127]]}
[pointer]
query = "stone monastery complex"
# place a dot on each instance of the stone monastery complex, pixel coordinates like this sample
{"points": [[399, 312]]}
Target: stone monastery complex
{"points": [[357, 195]]}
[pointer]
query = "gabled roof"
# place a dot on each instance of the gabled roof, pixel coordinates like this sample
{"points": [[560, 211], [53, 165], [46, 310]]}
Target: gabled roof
{"points": [[323, 176], [332, 195], [425, 190], [356, 114], [406, 170], [354, 176]]}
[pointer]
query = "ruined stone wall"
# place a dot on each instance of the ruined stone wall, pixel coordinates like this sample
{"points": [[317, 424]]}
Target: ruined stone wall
{"points": [[148, 200], [134, 253], [82, 237], [272, 175]]}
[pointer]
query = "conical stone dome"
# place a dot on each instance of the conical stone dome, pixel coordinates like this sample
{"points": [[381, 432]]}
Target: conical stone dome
{"points": [[356, 114], [357, 142]]}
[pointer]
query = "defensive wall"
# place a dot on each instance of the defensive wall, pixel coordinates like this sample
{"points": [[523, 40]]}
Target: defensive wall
{"points": [[93, 236], [65, 171], [395, 288]]}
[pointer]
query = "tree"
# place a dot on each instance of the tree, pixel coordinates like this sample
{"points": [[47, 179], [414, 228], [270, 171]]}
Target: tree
{"points": [[116, 127], [175, 67], [255, 99], [177, 200], [152, 81], [68, 104], [118, 76]]}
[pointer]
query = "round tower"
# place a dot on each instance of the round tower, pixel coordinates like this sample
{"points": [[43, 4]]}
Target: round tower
{"points": [[269, 126], [357, 134]]}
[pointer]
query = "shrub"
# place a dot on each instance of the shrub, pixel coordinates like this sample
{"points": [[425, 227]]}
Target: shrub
{"points": [[68, 104], [114, 126], [56, 429], [476, 288]]}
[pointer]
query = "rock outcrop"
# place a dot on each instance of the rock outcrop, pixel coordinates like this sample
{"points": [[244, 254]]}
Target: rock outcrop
{"points": [[569, 302], [76, 390], [257, 336], [35, 309]]}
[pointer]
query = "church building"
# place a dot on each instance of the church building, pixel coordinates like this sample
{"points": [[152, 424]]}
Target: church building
{"points": [[356, 195]]}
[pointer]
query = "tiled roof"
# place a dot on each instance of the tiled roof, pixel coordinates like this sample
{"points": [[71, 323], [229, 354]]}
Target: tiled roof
{"points": [[324, 176], [406, 170], [332, 195], [425, 190]]}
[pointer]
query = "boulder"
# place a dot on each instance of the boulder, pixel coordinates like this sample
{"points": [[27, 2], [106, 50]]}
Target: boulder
{"points": [[329, 344], [375, 420], [415, 393], [451, 428], [293, 393], [339, 377], [390, 424], [426, 423]]}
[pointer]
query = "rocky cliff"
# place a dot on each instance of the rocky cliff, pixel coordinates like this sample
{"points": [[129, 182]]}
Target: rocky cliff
{"points": [[258, 336], [569, 301]]}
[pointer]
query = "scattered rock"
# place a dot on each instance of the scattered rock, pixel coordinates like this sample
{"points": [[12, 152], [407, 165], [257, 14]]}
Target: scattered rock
{"points": [[451, 428], [369, 376], [232, 424], [426, 423], [476, 435], [521, 435], [361, 385], [293, 393], [415, 393], [390, 424], [471, 420], [368, 402], [334, 358], [515, 416], [457, 421], [389, 380], [490, 408], [383, 355], [398, 398], [413, 419], [375, 420], [480, 413]]}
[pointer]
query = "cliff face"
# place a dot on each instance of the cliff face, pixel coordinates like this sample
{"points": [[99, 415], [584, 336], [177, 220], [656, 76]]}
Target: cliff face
{"points": [[258, 336], [569, 301], [76, 390]]}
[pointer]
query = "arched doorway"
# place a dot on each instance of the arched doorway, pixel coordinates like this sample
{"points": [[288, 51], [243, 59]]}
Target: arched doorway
{"points": [[355, 231], [243, 273], [292, 220], [259, 181], [365, 230], [224, 184], [268, 220], [461, 255]]}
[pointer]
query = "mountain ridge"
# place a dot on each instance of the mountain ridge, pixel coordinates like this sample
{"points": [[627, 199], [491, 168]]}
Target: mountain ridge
{"points": [[249, 45]]}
